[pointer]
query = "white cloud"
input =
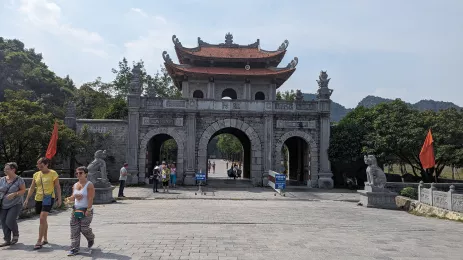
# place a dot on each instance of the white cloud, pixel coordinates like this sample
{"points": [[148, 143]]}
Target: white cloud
{"points": [[97, 52], [45, 15], [139, 11]]}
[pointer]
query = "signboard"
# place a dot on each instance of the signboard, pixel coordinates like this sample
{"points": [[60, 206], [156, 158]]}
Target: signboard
{"points": [[277, 181], [201, 176], [280, 181]]}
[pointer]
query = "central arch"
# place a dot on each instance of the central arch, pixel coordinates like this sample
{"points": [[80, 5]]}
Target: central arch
{"points": [[313, 150], [256, 145]]}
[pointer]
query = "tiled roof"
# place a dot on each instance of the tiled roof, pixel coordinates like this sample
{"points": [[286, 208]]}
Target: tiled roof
{"points": [[237, 53]]}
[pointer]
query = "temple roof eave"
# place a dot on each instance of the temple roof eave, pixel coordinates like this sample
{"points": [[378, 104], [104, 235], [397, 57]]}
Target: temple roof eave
{"points": [[228, 50]]}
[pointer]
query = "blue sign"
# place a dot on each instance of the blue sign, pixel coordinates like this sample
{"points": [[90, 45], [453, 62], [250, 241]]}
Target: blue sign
{"points": [[280, 181], [200, 176]]}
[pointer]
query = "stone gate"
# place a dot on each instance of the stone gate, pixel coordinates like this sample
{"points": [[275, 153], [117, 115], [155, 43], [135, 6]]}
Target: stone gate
{"points": [[231, 88]]}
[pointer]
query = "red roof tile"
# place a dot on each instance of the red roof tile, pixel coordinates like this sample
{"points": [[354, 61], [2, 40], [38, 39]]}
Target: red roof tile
{"points": [[238, 53]]}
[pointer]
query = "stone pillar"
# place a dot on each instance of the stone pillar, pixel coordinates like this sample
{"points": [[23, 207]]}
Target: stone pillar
{"points": [[190, 149], [70, 121], [134, 103], [273, 92], [132, 141], [185, 89], [325, 175], [269, 143]]}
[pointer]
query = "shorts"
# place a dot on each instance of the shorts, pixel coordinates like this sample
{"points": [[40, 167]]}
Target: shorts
{"points": [[165, 183], [39, 207]]}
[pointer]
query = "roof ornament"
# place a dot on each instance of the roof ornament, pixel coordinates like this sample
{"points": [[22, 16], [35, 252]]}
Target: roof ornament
{"points": [[323, 91], [228, 39], [176, 41], [293, 63], [200, 42], [284, 45], [166, 57]]}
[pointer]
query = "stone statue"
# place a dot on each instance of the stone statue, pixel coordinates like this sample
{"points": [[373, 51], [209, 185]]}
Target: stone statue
{"points": [[375, 175], [135, 82], [323, 91], [97, 168]]}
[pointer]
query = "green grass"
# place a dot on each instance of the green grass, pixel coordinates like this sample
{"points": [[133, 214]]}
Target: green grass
{"points": [[446, 173]]}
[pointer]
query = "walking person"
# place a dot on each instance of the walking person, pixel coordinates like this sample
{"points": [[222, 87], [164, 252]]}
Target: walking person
{"points": [[122, 179], [165, 176], [12, 189], [83, 193], [46, 181], [156, 178], [173, 175], [213, 167]]}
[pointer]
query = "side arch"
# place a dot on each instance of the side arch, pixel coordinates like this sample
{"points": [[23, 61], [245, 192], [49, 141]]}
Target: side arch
{"points": [[179, 138], [256, 146], [314, 164]]}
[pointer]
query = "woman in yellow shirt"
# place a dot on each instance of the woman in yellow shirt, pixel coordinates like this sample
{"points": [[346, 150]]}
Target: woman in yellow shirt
{"points": [[44, 182]]}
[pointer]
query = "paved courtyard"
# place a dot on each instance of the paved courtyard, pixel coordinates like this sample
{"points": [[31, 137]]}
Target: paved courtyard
{"points": [[228, 229]]}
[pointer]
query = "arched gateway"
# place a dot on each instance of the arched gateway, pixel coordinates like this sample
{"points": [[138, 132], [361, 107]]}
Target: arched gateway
{"points": [[274, 133]]}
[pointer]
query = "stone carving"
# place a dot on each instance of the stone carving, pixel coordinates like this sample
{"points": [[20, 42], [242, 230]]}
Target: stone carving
{"points": [[175, 103], [176, 41], [166, 57], [236, 105], [375, 175], [135, 82], [323, 91], [71, 110], [305, 106], [162, 121], [154, 103], [293, 63], [98, 168], [284, 45], [228, 39], [299, 96], [296, 124], [224, 105], [284, 106]]}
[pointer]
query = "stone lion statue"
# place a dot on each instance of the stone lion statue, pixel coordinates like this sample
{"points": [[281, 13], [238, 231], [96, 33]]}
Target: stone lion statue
{"points": [[375, 174], [97, 168]]}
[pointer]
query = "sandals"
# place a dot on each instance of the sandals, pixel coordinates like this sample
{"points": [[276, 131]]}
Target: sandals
{"points": [[6, 243], [38, 246]]}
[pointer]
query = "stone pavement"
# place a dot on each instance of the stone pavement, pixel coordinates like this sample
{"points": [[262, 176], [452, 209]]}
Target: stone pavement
{"points": [[227, 229], [255, 193]]}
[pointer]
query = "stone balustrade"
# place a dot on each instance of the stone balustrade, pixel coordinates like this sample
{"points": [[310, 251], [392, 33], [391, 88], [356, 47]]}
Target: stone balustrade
{"points": [[194, 104], [450, 200]]}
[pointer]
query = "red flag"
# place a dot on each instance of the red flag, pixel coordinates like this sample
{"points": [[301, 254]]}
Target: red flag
{"points": [[427, 152], [51, 151]]}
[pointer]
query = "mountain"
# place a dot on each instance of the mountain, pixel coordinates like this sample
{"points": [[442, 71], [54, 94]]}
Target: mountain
{"points": [[339, 111]]}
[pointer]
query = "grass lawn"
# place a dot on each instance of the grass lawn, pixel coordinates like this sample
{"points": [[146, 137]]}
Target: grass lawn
{"points": [[446, 173]]}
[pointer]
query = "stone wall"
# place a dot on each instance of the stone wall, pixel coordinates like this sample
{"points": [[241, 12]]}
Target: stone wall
{"points": [[450, 200], [117, 148], [197, 86], [264, 88]]}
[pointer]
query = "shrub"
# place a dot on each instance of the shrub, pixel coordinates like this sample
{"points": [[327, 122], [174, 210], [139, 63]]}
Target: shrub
{"points": [[409, 192]]}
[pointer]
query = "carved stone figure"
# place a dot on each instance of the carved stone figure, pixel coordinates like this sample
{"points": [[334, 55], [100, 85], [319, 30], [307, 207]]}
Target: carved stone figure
{"points": [[323, 91], [375, 174], [97, 168], [135, 82]]}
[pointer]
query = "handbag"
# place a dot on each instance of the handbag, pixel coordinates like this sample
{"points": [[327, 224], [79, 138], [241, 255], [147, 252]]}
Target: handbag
{"points": [[6, 191], [79, 213], [46, 201]]}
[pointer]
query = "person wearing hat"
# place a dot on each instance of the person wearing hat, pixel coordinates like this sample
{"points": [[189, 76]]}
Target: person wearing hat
{"points": [[165, 176]]}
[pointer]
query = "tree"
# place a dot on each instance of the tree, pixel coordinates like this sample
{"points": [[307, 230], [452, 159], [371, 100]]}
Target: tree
{"points": [[25, 130], [288, 95], [161, 85], [230, 146], [169, 150]]}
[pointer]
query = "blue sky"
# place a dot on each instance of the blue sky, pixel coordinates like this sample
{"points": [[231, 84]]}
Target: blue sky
{"points": [[391, 48]]}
